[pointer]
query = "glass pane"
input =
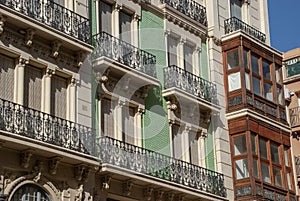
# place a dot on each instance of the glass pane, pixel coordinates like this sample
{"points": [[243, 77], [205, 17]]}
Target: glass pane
{"points": [[240, 146], [265, 172], [236, 9], [245, 59], [253, 144], [289, 183], [277, 176], [256, 85], [234, 81], [247, 81], [266, 70], [286, 156], [242, 168], [293, 69], [255, 168], [263, 148], [275, 153], [232, 59], [278, 75], [268, 91], [279, 95], [254, 64]]}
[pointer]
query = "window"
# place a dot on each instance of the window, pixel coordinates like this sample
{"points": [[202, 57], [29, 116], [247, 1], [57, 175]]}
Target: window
{"points": [[176, 141], [240, 146], [193, 148], [188, 58], [242, 170], [7, 66], [234, 81], [107, 118], [240, 157], [172, 51], [265, 172], [256, 85], [105, 10], [263, 148], [33, 87], [236, 8], [254, 64], [245, 53], [129, 125], [125, 26], [275, 153], [59, 96], [30, 192]]}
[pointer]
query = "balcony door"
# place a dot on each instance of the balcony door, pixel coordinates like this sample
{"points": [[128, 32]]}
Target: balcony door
{"points": [[105, 17], [125, 26], [7, 77], [236, 8]]}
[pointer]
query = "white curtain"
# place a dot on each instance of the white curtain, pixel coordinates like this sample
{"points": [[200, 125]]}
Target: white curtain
{"points": [[234, 81]]}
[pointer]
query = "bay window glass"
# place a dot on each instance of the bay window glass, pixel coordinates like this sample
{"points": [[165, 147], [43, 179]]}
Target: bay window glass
{"points": [[256, 85], [241, 167], [254, 64], [253, 144], [277, 176], [278, 74], [286, 157], [265, 172], [274, 153], [279, 96], [255, 168], [288, 179], [268, 91], [240, 145], [247, 81], [245, 53], [266, 70], [263, 148], [232, 59], [234, 81]]}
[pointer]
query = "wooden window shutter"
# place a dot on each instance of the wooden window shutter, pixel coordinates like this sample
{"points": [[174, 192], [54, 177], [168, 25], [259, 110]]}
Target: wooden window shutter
{"points": [[59, 96], [7, 66], [33, 87]]}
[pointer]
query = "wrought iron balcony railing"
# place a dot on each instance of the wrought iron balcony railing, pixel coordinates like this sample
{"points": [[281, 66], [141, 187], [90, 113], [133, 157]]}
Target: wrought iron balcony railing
{"points": [[189, 8], [43, 127], [197, 86], [234, 24], [53, 15], [123, 52], [147, 162], [295, 116]]}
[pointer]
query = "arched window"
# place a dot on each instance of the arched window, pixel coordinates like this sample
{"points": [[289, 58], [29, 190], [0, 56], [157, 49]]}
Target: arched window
{"points": [[30, 192]]}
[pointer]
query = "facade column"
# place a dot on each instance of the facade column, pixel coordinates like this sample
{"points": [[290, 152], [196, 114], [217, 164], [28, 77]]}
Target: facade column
{"points": [[116, 20], [20, 77], [202, 154], [167, 34], [185, 143], [138, 127], [180, 50], [47, 91], [135, 30], [119, 120], [196, 62], [72, 100]]}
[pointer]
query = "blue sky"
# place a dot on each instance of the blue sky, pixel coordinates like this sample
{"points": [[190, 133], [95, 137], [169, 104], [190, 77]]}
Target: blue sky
{"points": [[284, 19]]}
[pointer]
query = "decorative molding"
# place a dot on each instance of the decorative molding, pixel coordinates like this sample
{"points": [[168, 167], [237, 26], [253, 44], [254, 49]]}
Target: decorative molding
{"points": [[79, 193], [2, 22], [170, 196], [80, 58], [159, 195], [25, 158]]}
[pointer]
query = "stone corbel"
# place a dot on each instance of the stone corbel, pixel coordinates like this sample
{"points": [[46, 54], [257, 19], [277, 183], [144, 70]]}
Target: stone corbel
{"points": [[180, 198], [25, 158], [80, 56], [23, 62], [55, 48], [29, 37], [105, 182], [79, 172], [247, 2], [159, 195], [148, 193], [2, 21], [50, 72], [37, 169], [127, 188], [53, 164], [170, 196], [205, 117]]}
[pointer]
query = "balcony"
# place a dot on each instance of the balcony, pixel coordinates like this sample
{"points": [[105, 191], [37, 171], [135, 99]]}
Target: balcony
{"points": [[28, 129], [189, 8], [53, 15], [38, 126], [295, 116], [178, 78], [234, 24], [145, 162], [122, 52]]}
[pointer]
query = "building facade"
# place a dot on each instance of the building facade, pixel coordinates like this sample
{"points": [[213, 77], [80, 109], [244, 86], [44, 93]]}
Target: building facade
{"points": [[141, 100], [291, 82]]}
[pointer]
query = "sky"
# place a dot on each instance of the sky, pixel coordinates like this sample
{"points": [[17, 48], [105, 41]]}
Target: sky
{"points": [[284, 20]]}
